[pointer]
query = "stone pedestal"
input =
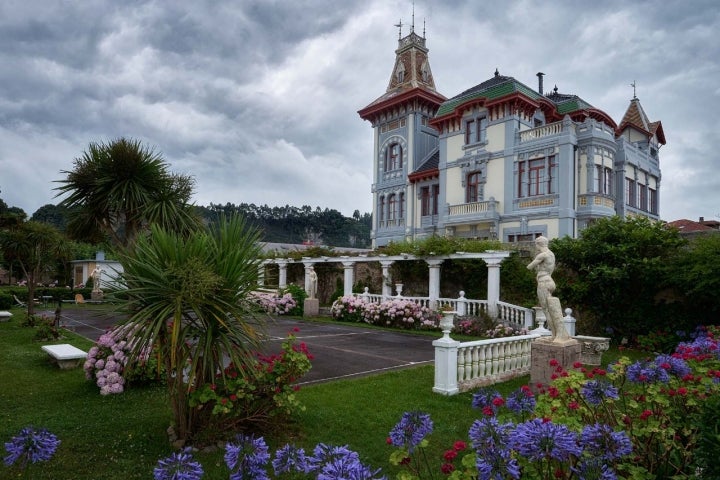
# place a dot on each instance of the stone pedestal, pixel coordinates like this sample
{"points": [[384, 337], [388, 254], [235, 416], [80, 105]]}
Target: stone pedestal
{"points": [[592, 349], [543, 351], [311, 307], [96, 296]]}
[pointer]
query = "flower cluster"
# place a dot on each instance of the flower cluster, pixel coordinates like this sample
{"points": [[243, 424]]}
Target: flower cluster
{"points": [[267, 392], [349, 308], [179, 465], [275, 304], [248, 458], [501, 331], [106, 361], [633, 420], [397, 312], [31, 446]]}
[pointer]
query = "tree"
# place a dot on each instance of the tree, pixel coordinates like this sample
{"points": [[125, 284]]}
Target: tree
{"points": [[117, 190], [696, 276], [34, 247], [615, 271], [52, 214], [189, 298]]}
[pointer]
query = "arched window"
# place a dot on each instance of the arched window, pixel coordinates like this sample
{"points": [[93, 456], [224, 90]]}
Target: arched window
{"points": [[401, 206], [393, 157], [381, 209]]}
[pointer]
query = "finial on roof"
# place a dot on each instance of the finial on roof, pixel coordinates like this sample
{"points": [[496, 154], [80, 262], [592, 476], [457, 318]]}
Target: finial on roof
{"points": [[423, 28], [555, 89], [634, 85], [497, 72], [412, 26], [399, 26]]}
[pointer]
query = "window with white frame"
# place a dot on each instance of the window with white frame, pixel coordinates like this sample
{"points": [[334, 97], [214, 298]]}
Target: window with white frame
{"points": [[381, 208], [630, 195], [392, 207], [642, 197], [429, 200], [653, 201]]}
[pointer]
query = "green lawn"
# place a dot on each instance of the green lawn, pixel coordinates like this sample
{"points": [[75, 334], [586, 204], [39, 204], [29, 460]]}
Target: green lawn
{"points": [[123, 436]]}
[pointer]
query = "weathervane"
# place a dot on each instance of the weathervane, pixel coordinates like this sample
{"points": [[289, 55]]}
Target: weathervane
{"points": [[633, 85], [399, 26], [412, 27]]}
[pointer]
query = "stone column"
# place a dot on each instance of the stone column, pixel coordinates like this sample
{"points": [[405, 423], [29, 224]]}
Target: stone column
{"points": [[308, 269], [348, 276], [261, 273], [386, 280], [282, 273], [434, 281], [493, 260], [446, 352]]}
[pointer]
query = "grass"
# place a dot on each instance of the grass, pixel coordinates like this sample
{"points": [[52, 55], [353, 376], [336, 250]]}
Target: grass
{"points": [[123, 436]]}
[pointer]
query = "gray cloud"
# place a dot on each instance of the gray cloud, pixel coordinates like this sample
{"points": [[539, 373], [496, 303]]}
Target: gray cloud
{"points": [[258, 99]]}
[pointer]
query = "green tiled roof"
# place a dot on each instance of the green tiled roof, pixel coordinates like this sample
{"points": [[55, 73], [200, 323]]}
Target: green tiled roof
{"points": [[496, 87]]}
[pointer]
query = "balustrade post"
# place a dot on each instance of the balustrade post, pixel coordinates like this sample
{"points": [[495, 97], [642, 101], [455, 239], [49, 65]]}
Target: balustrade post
{"points": [[461, 304], [434, 281], [446, 366]]}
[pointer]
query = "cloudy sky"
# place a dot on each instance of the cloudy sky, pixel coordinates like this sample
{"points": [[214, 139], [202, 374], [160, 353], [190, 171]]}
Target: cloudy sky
{"points": [[258, 99]]}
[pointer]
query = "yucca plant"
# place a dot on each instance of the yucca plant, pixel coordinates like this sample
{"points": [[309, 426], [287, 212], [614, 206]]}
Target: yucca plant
{"points": [[189, 298]]}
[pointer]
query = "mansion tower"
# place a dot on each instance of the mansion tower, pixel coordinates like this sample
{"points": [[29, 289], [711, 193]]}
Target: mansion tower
{"points": [[502, 160]]}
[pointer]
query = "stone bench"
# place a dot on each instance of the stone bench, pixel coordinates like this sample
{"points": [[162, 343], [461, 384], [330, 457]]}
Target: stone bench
{"points": [[5, 316], [65, 355], [592, 348]]}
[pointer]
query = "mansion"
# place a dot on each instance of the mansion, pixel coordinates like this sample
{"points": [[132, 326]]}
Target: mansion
{"points": [[502, 160]]}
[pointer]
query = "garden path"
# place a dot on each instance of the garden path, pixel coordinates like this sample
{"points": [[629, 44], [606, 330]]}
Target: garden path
{"points": [[340, 351]]}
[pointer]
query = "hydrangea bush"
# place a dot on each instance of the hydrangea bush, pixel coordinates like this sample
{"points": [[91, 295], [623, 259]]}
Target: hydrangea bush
{"points": [[107, 363], [396, 312], [274, 304]]}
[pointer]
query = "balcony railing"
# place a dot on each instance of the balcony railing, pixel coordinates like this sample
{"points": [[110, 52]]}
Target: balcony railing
{"points": [[540, 132], [475, 208]]}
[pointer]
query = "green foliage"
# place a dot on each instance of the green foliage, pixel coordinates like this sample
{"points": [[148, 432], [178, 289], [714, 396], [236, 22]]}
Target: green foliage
{"points": [[189, 297], [45, 329], [707, 452], [615, 270], [437, 245], [117, 189], [6, 301], [259, 395], [696, 277]]}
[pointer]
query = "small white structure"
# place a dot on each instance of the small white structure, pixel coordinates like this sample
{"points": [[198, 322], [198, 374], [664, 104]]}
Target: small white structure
{"points": [[5, 316], [65, 355], [111, 271]]}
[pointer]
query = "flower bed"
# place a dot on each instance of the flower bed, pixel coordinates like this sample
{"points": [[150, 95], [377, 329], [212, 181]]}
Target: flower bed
{"points": [[397, 312]]}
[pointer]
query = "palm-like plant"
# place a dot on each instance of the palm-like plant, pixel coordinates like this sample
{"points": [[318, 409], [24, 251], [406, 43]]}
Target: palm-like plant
{"points": [[116, 190], [188, 297]]}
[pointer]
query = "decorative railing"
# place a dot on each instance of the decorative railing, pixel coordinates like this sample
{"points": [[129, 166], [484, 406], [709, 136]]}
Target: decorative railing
{"points": [[474, 208], [540, 132], [515, 316], [484, 362]]}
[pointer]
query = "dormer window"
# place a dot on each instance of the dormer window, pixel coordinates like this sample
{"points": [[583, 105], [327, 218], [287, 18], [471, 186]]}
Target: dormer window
{"points": [[475, 130], [393, 157]]}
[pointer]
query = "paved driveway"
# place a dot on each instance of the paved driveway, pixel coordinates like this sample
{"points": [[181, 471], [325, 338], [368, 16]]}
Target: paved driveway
{"points": [[340, 351]]}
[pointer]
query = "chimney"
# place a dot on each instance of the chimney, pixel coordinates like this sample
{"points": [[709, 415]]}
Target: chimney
{"points": [[540, 82], [702, 219]]}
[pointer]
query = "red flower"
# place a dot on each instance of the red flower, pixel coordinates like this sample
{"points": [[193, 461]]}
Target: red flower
{"points": [[645, 414], [573, 405], [577, 364], [447, 468], [459, 446], [498, 401], [223, 401], [553, 392], [233, 397], [388, 440], [554, 363], [682, 391], [487, 410], [450, 455]]}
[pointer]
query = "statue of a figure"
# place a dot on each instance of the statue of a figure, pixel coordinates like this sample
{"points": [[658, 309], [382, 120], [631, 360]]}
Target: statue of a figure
{"points": [[544, 265], [96, 274], [312, 293]]}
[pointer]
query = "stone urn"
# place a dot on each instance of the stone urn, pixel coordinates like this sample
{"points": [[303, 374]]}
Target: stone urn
{"points": [[447, 322]]}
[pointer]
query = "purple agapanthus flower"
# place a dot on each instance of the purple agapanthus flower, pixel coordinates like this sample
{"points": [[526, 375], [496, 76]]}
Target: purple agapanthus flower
{"points": [[289, 459], [521, 401], [178, 466], [602, 442], [595, 391], [644, 371], [674, 365], [32, 446], [247, 458], [538, 440], [412, 428], [488, 436], [497, 466], [593, 469], [487, 400], [336, 463]]}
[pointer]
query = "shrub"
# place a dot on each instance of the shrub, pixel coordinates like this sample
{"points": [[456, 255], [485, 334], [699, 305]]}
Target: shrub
{"points": [[261, 396], [299, 295], [348, 309], [282, 304], [6, 301]]}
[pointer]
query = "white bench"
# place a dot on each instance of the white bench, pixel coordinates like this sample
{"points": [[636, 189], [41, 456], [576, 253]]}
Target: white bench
{"points": [[65, 355], [5, 316]]}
